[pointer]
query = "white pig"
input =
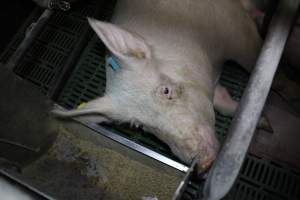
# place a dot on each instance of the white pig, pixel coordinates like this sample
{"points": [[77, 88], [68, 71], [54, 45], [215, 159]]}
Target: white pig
{"points": [[171, 53]]}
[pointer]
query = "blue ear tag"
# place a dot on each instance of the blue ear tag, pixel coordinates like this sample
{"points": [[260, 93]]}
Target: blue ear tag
{"points": [[113, 63]]}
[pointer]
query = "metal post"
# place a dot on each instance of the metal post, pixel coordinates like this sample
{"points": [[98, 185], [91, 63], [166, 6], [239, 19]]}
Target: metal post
{"points": [[28, 39], [227, 166]]}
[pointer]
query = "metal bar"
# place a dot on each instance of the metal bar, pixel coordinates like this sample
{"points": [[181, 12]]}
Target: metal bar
{"points": [[137, 147], [184, 182], [227, 166], [28, 39], [17, 144], [29, 189]]}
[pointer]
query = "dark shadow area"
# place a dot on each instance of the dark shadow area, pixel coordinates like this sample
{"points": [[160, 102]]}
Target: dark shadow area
{"points": [[12, 15]]}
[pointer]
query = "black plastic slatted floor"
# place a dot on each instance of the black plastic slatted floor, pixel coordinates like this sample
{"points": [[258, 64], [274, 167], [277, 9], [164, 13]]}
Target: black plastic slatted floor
{"points": [[54, 46], [260, 179]]}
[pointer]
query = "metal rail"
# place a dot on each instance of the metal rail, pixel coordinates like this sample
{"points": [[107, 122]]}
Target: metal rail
{"points": [[228, 164], [137, 147], [28, 39], [114, 135], [178, 195]]}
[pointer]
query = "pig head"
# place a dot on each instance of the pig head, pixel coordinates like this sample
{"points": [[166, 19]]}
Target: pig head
{"points": [[170, 96]]}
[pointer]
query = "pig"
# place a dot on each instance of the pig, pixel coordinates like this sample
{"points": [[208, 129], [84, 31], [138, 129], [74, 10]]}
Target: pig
{"points": [[170, 54], [291, 53], [286, 82]]}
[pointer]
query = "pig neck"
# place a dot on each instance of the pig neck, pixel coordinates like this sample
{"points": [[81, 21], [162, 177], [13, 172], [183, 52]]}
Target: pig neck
{"points": [[183, 30]]}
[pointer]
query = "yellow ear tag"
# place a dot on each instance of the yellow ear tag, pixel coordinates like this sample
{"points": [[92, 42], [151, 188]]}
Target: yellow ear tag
{"points": [[138, 54], [82, 105]]}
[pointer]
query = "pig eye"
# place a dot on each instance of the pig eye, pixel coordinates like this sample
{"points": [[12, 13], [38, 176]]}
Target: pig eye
{"points": [[166, 90]]}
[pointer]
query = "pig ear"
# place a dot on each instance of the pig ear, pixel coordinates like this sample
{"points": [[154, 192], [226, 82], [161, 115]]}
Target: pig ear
{"points": [[101, 106], [120, 42]]}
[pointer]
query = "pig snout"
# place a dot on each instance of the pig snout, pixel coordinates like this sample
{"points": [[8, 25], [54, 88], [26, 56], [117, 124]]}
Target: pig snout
{"points": [[208, 148], [201, 144]]}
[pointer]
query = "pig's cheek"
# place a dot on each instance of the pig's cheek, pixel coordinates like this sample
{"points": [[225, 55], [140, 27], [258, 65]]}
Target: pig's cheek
{"points": [[208, 138]]}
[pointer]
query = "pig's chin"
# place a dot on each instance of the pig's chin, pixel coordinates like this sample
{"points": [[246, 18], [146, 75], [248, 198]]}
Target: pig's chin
{"points": [[200, 144], [206, 157]]}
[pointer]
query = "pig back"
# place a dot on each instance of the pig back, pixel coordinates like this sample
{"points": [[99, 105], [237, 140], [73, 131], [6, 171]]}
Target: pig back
{"points": [[189, 29]]}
